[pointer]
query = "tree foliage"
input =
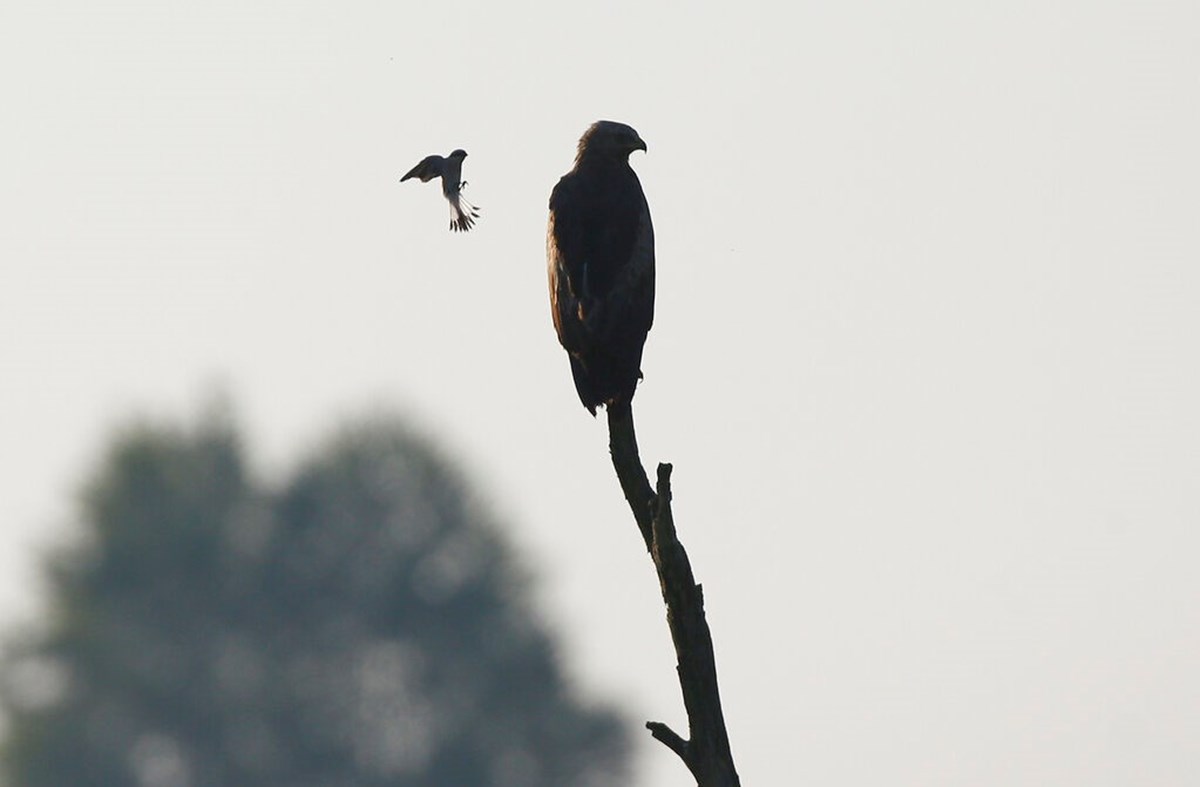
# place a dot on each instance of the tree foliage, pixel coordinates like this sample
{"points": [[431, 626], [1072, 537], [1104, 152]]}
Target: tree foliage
{"points": [[366, 624]]}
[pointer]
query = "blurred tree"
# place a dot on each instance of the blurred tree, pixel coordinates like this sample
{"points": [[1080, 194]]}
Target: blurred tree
{"points": [[365, 626]]}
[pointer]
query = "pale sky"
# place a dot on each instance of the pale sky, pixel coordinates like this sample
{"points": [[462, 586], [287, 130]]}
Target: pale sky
{"points": [[925, 355]]}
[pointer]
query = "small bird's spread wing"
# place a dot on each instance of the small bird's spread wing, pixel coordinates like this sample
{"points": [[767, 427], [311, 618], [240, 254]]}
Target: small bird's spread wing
{"points": [[430, 167]]}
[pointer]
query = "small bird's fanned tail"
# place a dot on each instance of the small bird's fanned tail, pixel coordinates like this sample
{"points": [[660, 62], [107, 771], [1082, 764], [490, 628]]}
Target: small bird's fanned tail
{"points": [[462, 213]]}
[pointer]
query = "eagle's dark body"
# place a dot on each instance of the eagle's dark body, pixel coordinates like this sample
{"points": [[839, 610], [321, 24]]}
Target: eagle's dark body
{"points": [[600, 256]]}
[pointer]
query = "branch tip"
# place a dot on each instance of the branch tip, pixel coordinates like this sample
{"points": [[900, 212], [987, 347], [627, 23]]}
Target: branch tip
{"points": [[669, 738]]}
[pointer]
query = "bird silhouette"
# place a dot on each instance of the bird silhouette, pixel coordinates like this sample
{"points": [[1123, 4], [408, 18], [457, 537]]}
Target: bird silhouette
{"points": [[462, 213]]}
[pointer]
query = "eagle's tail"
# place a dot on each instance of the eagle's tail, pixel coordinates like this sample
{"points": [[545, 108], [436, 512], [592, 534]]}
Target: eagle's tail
{"points": [[604, 379]]}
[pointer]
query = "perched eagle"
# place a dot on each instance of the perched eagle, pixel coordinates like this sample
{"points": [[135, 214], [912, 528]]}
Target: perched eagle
{"points": [[462, 213], [600, 257]]}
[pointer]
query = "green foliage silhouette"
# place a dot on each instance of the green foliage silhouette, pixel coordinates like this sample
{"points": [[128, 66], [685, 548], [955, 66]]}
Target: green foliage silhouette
{"points": [[365, 625]]}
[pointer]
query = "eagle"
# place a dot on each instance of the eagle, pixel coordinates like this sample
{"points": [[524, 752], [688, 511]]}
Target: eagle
{"points": [[600, 260], [462, 213]]}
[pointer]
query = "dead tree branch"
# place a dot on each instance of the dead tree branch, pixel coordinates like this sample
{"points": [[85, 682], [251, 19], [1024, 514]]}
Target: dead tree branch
{"points": [[706, 751]]}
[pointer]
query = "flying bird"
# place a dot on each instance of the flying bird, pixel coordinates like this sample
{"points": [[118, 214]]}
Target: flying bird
{"points": [[600, 259], [462, 213]]}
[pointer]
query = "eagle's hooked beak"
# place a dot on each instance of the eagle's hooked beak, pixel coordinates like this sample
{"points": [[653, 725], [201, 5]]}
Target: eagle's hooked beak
{"points": [[640, 145]]}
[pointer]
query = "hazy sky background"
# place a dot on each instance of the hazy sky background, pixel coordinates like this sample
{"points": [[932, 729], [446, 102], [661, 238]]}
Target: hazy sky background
{"points": [[925, 354]]}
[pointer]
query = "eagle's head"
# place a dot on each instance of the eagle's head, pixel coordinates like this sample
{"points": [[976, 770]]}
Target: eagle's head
{"points": [[458, 153], [609, 139]]}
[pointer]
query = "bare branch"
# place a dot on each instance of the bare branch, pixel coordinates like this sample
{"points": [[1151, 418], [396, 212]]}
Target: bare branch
{"points": [[622, 445], [706, 753]]}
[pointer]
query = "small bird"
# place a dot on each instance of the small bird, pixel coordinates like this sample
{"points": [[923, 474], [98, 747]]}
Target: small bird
{"points": [[600, 259], [462, 213]]}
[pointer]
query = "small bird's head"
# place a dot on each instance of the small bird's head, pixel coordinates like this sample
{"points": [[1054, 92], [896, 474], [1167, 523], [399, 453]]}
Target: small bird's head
{"points": [[609, 139], [458, 153]]}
